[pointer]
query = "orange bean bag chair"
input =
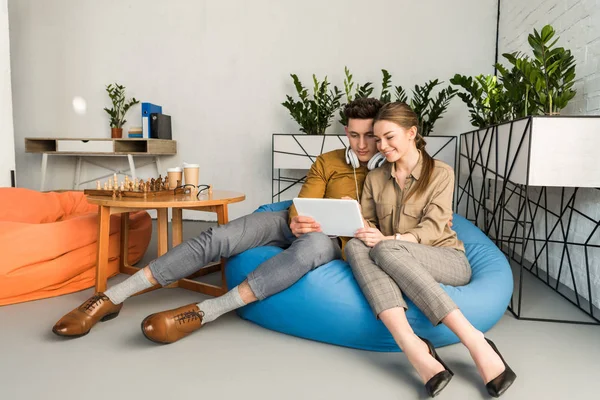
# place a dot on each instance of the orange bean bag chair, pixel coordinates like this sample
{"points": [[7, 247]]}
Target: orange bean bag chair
{"points": [[48, 243]]}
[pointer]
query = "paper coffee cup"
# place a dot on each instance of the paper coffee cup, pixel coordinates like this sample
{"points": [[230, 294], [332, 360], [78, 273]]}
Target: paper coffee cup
{"points": [[191, 174], [174, 175]]}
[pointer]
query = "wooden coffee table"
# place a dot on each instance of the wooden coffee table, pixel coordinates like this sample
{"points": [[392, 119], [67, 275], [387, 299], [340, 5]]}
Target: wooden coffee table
{"points": [[216, 202]]}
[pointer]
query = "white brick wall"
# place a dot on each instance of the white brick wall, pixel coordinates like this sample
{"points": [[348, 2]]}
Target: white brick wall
{"points": [[577, 22]]}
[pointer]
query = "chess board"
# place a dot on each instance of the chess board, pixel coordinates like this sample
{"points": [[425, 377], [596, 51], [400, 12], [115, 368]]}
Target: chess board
{"points": [[130, 193], [138, 188]]}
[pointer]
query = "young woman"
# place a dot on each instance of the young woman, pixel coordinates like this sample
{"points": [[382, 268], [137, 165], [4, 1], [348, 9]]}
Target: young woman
{"points": [[407, 247]]}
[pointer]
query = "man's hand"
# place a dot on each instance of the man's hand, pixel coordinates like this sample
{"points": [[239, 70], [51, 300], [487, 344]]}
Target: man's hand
{"points": [[450, 222], [301, 225], [370, 236]]}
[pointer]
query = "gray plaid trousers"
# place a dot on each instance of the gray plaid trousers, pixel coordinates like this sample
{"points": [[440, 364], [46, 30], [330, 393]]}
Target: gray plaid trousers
{"points": [[394, 267]]}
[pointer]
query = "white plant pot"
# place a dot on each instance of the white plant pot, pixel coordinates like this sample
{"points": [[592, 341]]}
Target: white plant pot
{"points": [[559, 151]]}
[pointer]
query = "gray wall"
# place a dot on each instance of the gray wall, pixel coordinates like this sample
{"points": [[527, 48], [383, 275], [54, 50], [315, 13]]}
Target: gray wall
{"points": [[7, 149], [221, 70]]}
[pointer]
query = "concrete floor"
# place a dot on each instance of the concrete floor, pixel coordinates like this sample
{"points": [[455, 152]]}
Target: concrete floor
{"points": [[235, 359]]}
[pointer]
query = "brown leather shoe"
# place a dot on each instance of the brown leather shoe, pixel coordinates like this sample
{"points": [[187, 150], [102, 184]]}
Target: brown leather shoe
{"points": [[170, 326], [79, 321]]}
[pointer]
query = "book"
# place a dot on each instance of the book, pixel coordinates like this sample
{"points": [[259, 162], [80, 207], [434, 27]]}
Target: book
{"points": [[147, 109]]}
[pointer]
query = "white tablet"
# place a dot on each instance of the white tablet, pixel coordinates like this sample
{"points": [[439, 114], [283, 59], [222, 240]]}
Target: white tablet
{"points": [[337, 217]]}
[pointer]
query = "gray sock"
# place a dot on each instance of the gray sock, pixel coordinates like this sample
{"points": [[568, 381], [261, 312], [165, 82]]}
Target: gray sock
{"points": [[135, 283], [218, 306]]}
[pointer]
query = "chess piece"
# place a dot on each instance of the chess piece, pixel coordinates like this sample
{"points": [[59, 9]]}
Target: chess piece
{"points": [[105, 185], [130, 186], [110, 185], [152, 183], [137, 184], [142, 186], [167, 183], [98, 187], [159, 183], [122, 189]]}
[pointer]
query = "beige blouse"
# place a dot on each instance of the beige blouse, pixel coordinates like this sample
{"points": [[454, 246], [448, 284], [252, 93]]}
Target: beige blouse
{"points": [[425, 216]]}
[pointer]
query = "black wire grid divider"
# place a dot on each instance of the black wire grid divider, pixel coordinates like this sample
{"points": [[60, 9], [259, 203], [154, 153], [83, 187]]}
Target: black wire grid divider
{"points": [[518, 219], [282, 184]]}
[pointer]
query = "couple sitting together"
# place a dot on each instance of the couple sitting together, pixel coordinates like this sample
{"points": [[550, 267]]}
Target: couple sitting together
{"points": [[406, 247]]}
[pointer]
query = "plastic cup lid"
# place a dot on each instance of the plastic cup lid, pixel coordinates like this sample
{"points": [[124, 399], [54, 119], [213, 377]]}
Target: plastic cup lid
{"points": [[174, 169]]}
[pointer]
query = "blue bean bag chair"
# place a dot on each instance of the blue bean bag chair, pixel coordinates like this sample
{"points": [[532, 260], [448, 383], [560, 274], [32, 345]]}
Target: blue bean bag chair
{"points": [[327, 305]]}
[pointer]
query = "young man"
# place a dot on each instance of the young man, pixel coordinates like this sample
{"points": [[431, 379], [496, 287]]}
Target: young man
{"points": [[336, 174]]}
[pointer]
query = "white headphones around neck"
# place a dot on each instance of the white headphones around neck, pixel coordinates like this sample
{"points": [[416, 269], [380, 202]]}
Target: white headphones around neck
{"points": [[376, 161], [351, 158]]}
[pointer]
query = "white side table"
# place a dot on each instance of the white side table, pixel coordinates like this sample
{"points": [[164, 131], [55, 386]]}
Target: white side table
{"points": [[85, 149]]}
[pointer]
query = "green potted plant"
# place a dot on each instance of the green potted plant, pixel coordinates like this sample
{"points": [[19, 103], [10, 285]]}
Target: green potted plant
{"points": [[360, 92], [313, 114], [119, 108], [519, 137], [550, 73], [485, 98], [366, 90], [539, 85], [428, 109]]}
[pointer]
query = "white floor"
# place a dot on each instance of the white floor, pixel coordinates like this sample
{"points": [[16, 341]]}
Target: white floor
{"points": [[235, 359]]}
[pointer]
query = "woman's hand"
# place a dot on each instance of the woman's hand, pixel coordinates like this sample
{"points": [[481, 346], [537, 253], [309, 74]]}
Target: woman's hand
{"points": [[370, 236], [301, 225]]}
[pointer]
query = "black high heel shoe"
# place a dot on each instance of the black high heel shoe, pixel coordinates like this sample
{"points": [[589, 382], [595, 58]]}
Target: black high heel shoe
{"points": [[439, 381], [497, 386]]}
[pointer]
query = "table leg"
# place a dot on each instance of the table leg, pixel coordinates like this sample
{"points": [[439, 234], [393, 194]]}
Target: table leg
{"points": [[163, 234], [131, 167], [44, 167], [222, 214], [103, 240], [124, 253], [159, 170], [77, 174], [222, 218], [177, 226]]}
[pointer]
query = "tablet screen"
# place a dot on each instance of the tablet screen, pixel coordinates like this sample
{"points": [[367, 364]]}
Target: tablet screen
{"points": [[337, 217]]}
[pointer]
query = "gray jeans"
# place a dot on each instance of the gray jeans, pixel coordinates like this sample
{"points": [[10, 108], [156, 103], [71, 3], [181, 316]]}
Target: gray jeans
{"points": [[300, 256], [394, 267]]}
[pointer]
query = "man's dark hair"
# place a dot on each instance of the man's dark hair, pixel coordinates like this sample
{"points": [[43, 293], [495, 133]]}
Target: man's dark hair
{"points": [[362, 108]]}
